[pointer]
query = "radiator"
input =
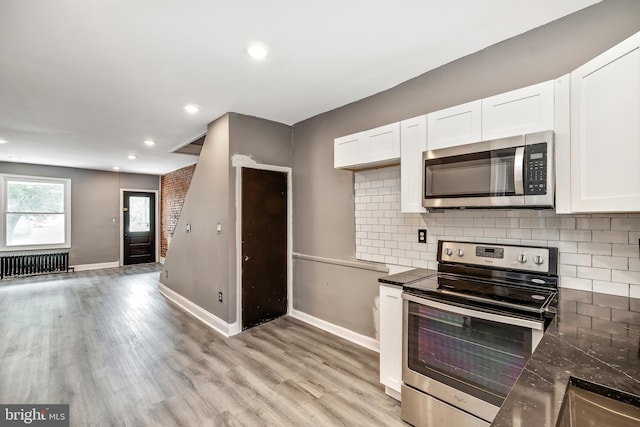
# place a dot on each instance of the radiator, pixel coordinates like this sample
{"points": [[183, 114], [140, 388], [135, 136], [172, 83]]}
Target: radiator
{"points": [[30, 264]]}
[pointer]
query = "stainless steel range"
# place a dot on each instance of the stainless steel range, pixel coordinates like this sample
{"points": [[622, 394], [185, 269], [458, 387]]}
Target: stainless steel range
{"points": [[469, 331]]}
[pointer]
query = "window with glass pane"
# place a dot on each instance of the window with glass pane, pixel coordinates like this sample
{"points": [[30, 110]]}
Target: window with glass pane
{"points": [[35, 212], [139, 211]]}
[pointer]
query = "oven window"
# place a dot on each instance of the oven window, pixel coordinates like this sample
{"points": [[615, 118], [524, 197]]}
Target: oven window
{"points": [[479, 357]]}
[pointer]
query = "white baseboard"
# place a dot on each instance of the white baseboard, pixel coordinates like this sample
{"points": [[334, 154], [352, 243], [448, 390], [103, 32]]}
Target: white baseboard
{"points": [[348, 334], [212, 321], [98, 266]]}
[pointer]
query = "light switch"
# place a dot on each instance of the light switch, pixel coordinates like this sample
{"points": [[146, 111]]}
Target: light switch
{"points": [[219, 228]]}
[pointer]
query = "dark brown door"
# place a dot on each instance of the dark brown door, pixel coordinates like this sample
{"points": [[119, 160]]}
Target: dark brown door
{"points": [[264, 246], [139, 219]]}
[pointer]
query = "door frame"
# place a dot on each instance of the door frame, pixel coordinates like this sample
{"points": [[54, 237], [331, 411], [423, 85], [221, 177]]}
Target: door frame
{"points": [[236, 327], [157, 222]]}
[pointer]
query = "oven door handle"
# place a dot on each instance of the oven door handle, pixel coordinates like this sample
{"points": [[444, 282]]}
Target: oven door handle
{"points": [[499, 318]]}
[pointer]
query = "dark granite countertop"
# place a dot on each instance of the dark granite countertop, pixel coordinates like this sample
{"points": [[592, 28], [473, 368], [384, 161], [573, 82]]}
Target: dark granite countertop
{"points": [[406, 277], [594, 337]]}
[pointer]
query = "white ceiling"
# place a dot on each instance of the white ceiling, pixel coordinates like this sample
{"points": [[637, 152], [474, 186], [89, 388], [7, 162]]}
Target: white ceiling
{"points": [[84, 83]]}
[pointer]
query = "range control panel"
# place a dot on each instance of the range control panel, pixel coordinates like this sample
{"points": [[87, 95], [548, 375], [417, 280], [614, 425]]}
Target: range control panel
{"points": [[528, 258]]}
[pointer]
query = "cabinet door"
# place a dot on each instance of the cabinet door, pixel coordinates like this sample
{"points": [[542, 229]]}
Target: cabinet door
{"points": [[382, 144], [454, 126], [346, 150], [391, 337], [525, 110], [413, 141], [605, 131]]}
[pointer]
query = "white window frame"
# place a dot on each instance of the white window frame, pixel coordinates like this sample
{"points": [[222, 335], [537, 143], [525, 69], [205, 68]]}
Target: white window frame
{"points": [[67, 212]]}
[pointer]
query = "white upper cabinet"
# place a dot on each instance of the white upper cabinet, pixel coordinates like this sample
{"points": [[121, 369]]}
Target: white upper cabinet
{"points": [[346, 151], [383, 144], [413, 138], [518, 112], [455, 125], [605, 131], [374, 147]]}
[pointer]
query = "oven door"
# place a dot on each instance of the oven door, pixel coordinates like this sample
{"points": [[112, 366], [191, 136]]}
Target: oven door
{"points": [[467, 358]]}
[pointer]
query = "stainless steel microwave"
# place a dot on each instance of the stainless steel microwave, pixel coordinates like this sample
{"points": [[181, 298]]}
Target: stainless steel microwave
{"points": [[508, 172]]}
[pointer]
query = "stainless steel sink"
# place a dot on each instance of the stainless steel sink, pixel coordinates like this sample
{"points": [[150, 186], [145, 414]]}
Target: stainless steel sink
{"points": [[589, 404]]}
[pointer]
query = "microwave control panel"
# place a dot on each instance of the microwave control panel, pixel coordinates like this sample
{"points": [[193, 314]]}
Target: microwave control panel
{"points": [[535, 180]]}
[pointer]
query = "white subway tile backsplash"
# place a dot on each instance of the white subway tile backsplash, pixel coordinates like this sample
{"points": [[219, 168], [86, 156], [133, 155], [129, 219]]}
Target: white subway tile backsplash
{"points": [[631, 277], [618, 263], [598, 252], [568, 270], [484, 222], [532, 222], [603, 274], [626, 224], [576, 283], [576, 235], [593, 223], [575, 259], [519, 233], [593, 248], [498, 233], [508, 222], [611, 288], [610, 236], [625, 250], [545, 234]]}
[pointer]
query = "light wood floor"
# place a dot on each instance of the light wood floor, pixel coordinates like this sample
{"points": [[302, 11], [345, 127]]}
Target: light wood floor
{"points": [[111, 346]]}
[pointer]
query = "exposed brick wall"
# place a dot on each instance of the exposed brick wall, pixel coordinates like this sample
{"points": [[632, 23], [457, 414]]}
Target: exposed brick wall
{"points": [[174, 186]]}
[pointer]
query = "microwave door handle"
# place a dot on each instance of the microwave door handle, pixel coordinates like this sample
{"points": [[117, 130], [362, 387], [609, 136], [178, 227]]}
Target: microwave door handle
{"points": [[518, 168]]}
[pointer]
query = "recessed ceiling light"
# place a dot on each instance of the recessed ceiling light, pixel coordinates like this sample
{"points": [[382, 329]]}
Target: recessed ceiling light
{"points": [[150, 143], [132, 157], [3, 141], [191, 108], [116, 168], [258, 50]]}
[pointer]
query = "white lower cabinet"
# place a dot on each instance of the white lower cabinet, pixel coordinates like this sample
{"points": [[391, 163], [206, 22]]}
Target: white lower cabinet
{"points": [[391, 339]]}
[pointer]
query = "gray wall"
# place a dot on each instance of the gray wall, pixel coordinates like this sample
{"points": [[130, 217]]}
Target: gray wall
{"points": [[95, 203], [323, 197], [200, 264]]}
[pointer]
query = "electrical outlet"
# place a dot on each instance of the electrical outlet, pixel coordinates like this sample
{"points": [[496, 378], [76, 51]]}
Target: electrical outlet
{"points": [[166, 274], [422, 235], [219, 296]]}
